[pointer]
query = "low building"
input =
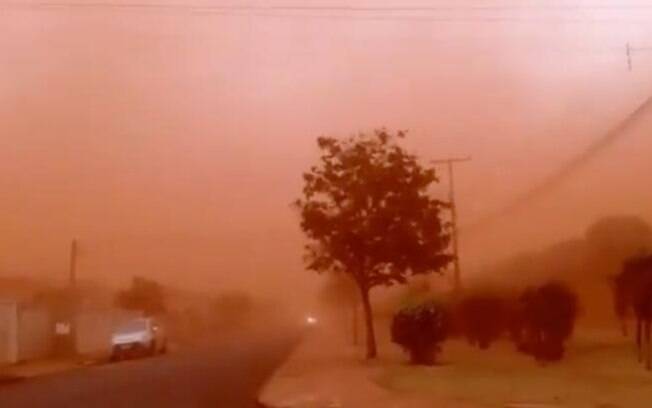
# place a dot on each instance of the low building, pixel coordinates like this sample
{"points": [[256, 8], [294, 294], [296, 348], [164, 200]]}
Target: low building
{"points": [[26, 331]]}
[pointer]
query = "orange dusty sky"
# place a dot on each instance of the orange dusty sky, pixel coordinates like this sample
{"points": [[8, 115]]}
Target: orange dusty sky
{"points": [[170, 141]]}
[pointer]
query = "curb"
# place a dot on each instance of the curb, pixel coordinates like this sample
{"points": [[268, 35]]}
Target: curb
{"points": [[10, 379], [266, 397], [297, 382]]}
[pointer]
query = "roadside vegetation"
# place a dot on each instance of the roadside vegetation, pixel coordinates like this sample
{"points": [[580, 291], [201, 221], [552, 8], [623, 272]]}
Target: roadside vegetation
{"points": [[370, 222], [420, 329], [539, 321], [144, 295], [482, 317]]}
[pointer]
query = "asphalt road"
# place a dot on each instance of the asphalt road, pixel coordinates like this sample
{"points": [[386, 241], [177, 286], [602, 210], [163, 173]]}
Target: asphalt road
{"points": [[226, 373]]}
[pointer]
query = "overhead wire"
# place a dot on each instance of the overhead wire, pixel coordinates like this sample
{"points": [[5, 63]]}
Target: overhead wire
{"points": [[325, 7]]}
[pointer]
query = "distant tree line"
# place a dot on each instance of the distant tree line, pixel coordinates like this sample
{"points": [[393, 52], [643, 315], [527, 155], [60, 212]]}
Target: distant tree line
{"points": [[633, 295], [588, 264]]}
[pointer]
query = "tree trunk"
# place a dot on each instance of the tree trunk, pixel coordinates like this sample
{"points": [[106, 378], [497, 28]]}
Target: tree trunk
{"points": [[354, 327], [623, 327], [369, 322], [639, 339], [648, 351]]}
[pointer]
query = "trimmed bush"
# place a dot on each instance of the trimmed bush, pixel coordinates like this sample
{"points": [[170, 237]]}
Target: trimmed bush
{"points": [[548, 315], [482, 318], [419, 329]]}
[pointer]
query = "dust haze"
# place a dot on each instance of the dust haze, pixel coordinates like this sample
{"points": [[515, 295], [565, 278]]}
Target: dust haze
{"points": [[171, 143]]}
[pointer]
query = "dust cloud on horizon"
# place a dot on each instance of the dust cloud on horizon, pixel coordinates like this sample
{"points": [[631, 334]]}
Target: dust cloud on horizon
{"points": [[171, 142]]}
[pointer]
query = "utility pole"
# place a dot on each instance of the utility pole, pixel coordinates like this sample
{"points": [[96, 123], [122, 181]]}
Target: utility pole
{"points": [[449, 162], [629, 53], [65, 340], [73, 264]]}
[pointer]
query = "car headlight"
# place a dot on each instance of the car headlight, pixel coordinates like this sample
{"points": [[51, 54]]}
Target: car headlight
{"points": [[311, 320]]}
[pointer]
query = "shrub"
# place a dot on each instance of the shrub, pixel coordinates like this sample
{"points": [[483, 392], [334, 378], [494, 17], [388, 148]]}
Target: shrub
{"points": [[419, 329], [482, 318], [548, 318], [515, 320]]}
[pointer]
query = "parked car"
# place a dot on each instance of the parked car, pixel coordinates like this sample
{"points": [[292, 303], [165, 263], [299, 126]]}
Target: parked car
{"points": [[142, 336]]}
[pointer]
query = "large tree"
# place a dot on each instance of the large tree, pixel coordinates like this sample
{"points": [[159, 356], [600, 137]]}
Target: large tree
{"points": [[144, 295], [367, 212], [614, 239]]}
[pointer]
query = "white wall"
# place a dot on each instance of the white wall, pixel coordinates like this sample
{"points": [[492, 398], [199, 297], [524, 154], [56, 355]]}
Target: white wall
{"points": [[8, 330], [35, 333]]}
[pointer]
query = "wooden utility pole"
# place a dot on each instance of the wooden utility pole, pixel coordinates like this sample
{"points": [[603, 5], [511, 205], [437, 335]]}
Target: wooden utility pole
{"points": [[629, 53], [73, 264], [449, 162], [65, 341]]}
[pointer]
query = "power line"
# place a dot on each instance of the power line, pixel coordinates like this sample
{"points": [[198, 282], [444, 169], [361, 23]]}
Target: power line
{"points": [[271, 14], [415, 18], [340, 8], [554, 179], [356, 13], [629, 53]]}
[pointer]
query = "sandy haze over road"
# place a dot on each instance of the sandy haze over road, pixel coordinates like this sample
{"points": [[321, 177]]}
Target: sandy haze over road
{"points": [[171, 142]]}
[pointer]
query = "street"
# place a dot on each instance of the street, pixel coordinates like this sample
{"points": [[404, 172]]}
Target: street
{"points": [[224, 373]]}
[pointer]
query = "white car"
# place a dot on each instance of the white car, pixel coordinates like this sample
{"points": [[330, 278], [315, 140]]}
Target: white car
{"points": [[138, 337]]}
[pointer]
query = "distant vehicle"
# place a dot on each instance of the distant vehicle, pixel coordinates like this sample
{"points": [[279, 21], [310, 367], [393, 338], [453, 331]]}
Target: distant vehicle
{"points": [[142, 336], [311, 320]]}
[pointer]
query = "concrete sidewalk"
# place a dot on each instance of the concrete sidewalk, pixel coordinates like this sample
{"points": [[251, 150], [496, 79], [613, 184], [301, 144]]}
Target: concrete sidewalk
{"points": [[38, 368], [325, 372]]}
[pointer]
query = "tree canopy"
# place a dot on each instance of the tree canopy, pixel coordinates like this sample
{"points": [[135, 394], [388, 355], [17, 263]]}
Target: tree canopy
{"points": [[367, 212], [144, 295]]}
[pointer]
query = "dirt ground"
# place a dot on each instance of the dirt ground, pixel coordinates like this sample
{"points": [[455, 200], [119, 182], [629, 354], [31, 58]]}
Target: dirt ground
{"points": [[600, 371]]}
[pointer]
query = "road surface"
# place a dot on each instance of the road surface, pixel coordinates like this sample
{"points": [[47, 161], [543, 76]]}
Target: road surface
{"points": [[225, 373]]}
